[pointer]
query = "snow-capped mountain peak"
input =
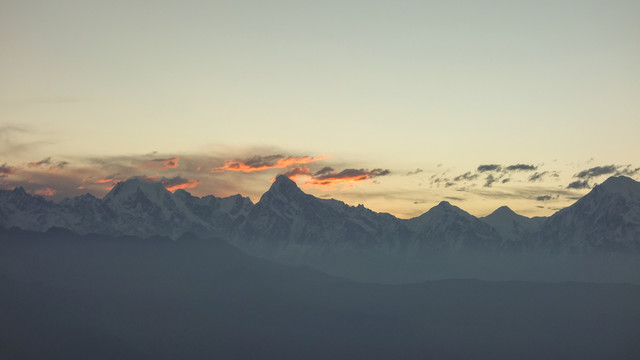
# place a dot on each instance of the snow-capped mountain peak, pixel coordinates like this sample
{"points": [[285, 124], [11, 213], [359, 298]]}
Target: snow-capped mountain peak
{"points": [[444, 208], [284, 191], [606, 219], [503, 211], [129, 188], [284, 185], [620, 185], [19, 191], [289, 220], [504, 214], [511, 225]]}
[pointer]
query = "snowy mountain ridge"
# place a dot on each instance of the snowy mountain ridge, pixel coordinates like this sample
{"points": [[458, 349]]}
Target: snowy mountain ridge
{"points": [[132, 207], [289, 224]]}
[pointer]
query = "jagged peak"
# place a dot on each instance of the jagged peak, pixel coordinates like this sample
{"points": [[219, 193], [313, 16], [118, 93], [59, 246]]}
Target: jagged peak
{"points": [[18, 193], [447, 206], [80, 198], [504, 208], [283, 179], [182, 193], [132, 186], [87, 196], [443, 207], [502, 211], [283, 184], [284, 190], [19, 190], [620, 185]]}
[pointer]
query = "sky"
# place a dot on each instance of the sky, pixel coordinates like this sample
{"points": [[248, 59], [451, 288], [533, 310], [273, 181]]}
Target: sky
{"points": [[393, 105]]}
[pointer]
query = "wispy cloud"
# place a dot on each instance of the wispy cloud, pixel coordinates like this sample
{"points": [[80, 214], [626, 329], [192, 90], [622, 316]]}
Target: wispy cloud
{"points": [[497, 174], [489, 167], [521, 167], [585, 177], [627, 171], [597, 171], [248, 176], [267, 162], [524, 192], [490, 179], [16, 140], [161, 164], [537, 176], [454, 198], [546, 197], [6, 170], [44, 191], [328, 177], [468, 176], [171, 183], [48, 164], [579, 185]]}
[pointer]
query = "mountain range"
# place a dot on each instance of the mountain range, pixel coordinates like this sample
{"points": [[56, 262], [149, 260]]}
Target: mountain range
{"points": [[290, 226]]}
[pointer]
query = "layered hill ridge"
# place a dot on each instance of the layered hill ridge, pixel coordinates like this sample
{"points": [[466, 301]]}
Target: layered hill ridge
{"points": [[69, 296], [289, 225]]}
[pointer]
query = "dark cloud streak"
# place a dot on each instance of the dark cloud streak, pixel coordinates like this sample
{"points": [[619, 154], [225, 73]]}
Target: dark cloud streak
{"points": [[578, 185], [521, 167], [546, 197], [468, 176], [489, 180], [489, 167], [597, 171], [6, 170], [537, 176]]}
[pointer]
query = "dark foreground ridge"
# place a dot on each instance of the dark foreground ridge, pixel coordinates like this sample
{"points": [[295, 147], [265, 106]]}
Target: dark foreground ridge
{"points": [[69, 296]]}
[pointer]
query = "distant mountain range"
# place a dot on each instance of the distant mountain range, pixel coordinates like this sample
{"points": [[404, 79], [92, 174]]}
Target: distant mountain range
{"points": [[294, 227]]}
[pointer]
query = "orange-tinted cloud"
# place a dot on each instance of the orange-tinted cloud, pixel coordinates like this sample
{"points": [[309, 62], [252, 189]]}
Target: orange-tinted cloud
{"points": [[6, 170], [45, 192], [105, 181], [175, 183], [327, 177], [297, 173], [40, 163], [162, 164], [261, 163], [49, 164]]}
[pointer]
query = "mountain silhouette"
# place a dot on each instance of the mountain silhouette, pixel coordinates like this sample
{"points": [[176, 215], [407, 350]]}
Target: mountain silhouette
{"points": [[607, 219], [292, 227]]}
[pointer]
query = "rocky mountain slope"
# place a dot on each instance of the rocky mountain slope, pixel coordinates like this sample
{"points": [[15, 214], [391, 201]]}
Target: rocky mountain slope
{"points": [[132, 207], [290, 225]]}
